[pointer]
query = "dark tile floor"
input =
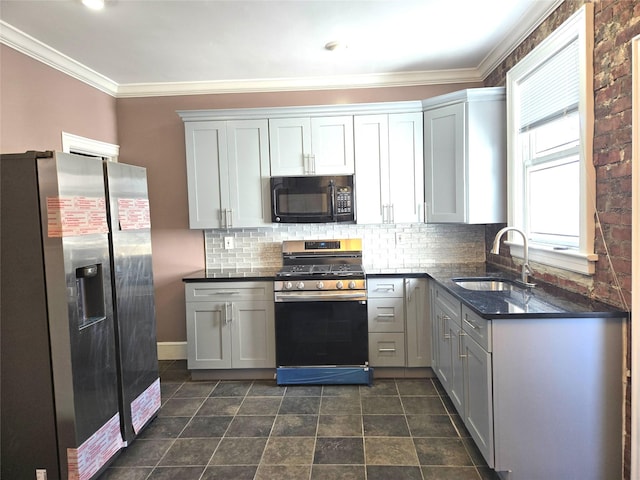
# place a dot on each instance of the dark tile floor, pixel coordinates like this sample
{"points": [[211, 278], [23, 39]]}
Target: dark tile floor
{"points": [[235, 430]]}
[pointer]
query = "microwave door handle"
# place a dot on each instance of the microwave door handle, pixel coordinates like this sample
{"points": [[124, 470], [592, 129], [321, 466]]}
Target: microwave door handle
{"points": [[273, 202], [332, 194]]}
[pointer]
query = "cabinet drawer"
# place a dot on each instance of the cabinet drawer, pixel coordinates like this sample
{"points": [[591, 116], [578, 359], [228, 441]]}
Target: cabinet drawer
{"points": [[229, 291], [449, 305], [386, 350], [386, 314], [477, 328], [385, 287]]}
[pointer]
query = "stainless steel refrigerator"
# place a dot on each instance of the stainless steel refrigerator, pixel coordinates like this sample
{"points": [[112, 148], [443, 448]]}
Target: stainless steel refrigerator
{"points": [[72, 392]]}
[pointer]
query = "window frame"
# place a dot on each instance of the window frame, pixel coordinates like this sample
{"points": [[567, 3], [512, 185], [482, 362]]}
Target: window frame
{"points": [[579, 27]]}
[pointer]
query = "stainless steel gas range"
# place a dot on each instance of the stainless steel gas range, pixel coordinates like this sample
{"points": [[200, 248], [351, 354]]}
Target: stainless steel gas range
{"points": [[321, 313]]}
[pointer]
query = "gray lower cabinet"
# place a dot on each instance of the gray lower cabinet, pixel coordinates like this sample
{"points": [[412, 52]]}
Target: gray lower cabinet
{"points": [[418, 327], [385, 309], [541, 397], [230, 325], [399, 322], [477, 381]]}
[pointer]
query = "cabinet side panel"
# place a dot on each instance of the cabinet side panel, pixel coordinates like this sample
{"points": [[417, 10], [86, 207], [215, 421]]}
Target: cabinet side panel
{"points": [[558, 398], [486, 169]]}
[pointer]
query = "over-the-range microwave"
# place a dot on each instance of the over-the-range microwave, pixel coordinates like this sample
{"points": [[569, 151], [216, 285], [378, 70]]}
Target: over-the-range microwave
{"points": [[313, 199]]}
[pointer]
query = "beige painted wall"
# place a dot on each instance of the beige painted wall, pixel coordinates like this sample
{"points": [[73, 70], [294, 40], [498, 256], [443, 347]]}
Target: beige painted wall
{"points": [[38, 103], [151, 134]]}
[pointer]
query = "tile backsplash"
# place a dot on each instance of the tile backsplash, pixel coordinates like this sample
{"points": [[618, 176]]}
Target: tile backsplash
{"points": [[384, 246]]}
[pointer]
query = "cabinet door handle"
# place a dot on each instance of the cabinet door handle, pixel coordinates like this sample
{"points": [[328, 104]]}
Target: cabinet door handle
{"points": [[228, 312], [312, 157], [229, 218], [407, 287], [461, 334], [443, 325], [393, 214]]}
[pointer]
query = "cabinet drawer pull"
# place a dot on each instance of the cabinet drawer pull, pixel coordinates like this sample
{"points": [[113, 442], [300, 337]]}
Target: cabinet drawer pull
{"points": [[471, 324], [386, 315], [384, 288], [386, 349], [227, 292]]}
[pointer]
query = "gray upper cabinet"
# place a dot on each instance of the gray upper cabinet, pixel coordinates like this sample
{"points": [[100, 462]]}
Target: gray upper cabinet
{"points": [[465, 157], [311, 145], [227, 173], [389, 168]]}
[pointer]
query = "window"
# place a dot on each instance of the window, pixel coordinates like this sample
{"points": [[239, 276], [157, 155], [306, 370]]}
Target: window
{"points": [[550, 146]]}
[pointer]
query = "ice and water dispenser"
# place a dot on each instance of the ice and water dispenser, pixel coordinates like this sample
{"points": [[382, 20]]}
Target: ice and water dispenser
{"points": [[90, 287]]}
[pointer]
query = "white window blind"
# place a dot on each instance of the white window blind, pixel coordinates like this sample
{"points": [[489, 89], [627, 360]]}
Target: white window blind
{"points": [[551, 90]]}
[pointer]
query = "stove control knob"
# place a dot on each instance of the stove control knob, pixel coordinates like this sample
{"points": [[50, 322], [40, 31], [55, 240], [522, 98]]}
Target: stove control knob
{"points": [[339, 285], [288, 285], [300, 285], [320, 285], [352, 284]]}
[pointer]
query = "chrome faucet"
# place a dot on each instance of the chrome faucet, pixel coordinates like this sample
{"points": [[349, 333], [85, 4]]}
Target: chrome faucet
{"points": [[526, 271]]}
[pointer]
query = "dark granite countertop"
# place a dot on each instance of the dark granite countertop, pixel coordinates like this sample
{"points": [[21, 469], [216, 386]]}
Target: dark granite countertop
{"points": [[232, 275], [542, 301]]}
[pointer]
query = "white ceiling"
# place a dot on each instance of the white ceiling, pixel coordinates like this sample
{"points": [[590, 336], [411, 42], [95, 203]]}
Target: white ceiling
{"points": [[158, 47]]}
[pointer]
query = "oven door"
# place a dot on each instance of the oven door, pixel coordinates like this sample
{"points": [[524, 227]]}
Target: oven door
{"points": [[321, 333]]}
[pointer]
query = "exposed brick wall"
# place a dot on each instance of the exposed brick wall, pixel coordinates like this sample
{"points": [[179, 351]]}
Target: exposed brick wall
{"points": [[616, 22]]}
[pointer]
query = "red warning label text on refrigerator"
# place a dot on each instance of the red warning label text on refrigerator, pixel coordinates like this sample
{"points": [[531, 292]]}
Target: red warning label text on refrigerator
{"points": [[76, 215], [133, 213]]}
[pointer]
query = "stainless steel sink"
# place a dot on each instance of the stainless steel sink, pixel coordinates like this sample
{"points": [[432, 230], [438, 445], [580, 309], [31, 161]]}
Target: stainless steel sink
{"points": [[486, 284]]}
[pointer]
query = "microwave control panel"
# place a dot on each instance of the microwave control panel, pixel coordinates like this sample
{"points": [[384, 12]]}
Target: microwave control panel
{"points": [[343, 200]]}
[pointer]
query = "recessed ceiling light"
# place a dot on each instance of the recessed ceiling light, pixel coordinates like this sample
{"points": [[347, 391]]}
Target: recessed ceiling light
{"points": [[335, 45], [94, 4]]}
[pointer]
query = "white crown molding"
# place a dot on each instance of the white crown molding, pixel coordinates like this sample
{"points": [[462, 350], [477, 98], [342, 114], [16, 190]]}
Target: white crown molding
{"points": [[403, 79], [532, 19], [33, 48]]}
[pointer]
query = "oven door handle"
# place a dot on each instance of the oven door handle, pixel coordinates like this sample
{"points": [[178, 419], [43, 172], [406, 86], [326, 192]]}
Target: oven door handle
{"points": [[320, 296]]}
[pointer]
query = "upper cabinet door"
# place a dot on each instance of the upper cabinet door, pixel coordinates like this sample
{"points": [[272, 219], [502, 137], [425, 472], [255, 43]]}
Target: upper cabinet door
{"points": [[206, 153], [311, 146], [290, 144], [444, 161], [371, 134], [406, 168], [248, 185], [332, 145], [389, 166]]}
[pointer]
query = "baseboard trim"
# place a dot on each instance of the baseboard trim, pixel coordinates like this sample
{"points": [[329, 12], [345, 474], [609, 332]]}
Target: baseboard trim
{"points": [[172, 350]]}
